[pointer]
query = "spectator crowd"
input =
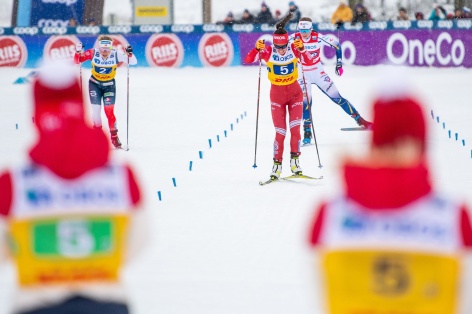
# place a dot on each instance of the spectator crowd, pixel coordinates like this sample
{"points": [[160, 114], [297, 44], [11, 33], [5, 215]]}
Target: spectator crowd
{"points": [[344, 14]]}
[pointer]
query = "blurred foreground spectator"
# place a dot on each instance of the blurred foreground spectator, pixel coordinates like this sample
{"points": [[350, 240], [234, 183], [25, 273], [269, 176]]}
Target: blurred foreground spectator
{"points": [[361, 14], [467, 13], [72, 216], [343, 14], [264, 16], [72, 22], [391, 243]]}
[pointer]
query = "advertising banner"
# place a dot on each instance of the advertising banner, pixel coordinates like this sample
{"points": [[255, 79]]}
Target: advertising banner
{"points": [[153, 12], [56, 13], [209, 45]]}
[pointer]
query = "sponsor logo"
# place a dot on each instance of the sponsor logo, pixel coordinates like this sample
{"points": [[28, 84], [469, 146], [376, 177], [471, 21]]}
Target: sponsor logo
{"points": [[464, 23], [292, 27], [13, 52], [425, 24], [45, 197], [66, 2], [378, 25], [25, 30], [326, 26], [151, 28], [402, 24], [87, 30], [445, 24], [398, 227], [283, 58], [182, 28], [119, 29], [52, 23], [54, 30], [349, 26], [284, 80], [60, 47], [412, 51], [93, 93], [243, 28], [213, 28], [164, 50], [216, 49], [267, 28]]}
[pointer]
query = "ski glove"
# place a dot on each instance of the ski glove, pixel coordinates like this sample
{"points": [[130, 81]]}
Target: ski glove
{"points": [[260, 45], [79, 47], [129, 49], [339, 68], [299, 44]]}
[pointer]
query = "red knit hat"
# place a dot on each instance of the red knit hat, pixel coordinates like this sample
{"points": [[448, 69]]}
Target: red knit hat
{"points": [[66, 145], [396, 118], [57, 96]]}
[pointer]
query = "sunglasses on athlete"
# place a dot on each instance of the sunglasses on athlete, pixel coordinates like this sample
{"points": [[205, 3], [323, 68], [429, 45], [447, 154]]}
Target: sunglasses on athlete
{"points": [[104, 49], [304, 31], [280, 47]]}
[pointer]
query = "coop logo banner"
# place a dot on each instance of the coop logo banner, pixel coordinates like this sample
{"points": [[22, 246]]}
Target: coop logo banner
{"points": [[165, 50], [60, 47], [13, 52], [216, 49], [56, 13]]}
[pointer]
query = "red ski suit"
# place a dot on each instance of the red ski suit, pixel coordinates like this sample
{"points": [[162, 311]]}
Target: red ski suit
{"points": [[285, 94]]}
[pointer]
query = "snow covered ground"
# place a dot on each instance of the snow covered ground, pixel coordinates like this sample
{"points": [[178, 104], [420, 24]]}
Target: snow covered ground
{"points": [[220, 242]]}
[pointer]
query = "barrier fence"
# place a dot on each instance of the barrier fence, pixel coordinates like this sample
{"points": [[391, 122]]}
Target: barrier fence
{"points": [[446, 43]]}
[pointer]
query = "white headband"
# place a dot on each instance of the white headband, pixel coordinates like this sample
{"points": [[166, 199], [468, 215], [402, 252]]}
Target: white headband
{"points": [[105, 44], [305, 25]]}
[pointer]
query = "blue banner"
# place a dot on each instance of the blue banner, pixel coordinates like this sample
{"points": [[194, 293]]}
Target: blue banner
{"points": [[56, 13]]}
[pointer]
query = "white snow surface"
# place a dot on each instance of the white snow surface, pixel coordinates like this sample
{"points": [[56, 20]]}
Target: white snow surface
{"points": [[220, 243]]}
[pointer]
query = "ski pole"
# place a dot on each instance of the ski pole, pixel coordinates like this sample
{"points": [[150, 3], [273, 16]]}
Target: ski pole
{"points": [[127, 103], [257, 115], [311, 117]]}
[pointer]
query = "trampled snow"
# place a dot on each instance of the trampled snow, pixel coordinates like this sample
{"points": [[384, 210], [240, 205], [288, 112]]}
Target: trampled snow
{"points": [[220, 243]]}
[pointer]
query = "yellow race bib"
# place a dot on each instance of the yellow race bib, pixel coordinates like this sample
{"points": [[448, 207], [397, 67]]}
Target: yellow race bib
{"points": [[68, 250], [375, 282]]}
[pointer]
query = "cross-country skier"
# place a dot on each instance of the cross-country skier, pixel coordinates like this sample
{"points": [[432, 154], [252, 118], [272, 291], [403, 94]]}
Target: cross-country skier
{"points": [[285, 93], [314, 73], [105, 60]]}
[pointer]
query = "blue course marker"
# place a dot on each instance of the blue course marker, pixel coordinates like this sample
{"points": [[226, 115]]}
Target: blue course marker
{"points": [[225, 133], [457, 136], [449, 132], [437, 119], [173, 181], [217, 138], [231, 127], [200, 154], [190, 165], [444, 125], [209, 142], [463, 142], [17, 126], [432, 114], [159, 195]]}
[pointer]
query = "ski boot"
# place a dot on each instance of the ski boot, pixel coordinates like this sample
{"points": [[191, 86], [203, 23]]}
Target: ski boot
{"points": [[114, 139], [276, 170], [361, 121], [295, 164], [307, 135]]}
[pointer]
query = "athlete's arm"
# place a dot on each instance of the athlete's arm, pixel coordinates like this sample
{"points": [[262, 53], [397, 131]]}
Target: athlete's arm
{"points": [[253, 55], [81, 57], [332, 42]]}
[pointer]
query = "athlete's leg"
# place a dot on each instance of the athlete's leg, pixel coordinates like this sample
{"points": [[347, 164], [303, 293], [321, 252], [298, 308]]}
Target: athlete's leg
{"points": [[109, 93], [95, 95], [327, 86], [279, 118], [295, 112]]}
